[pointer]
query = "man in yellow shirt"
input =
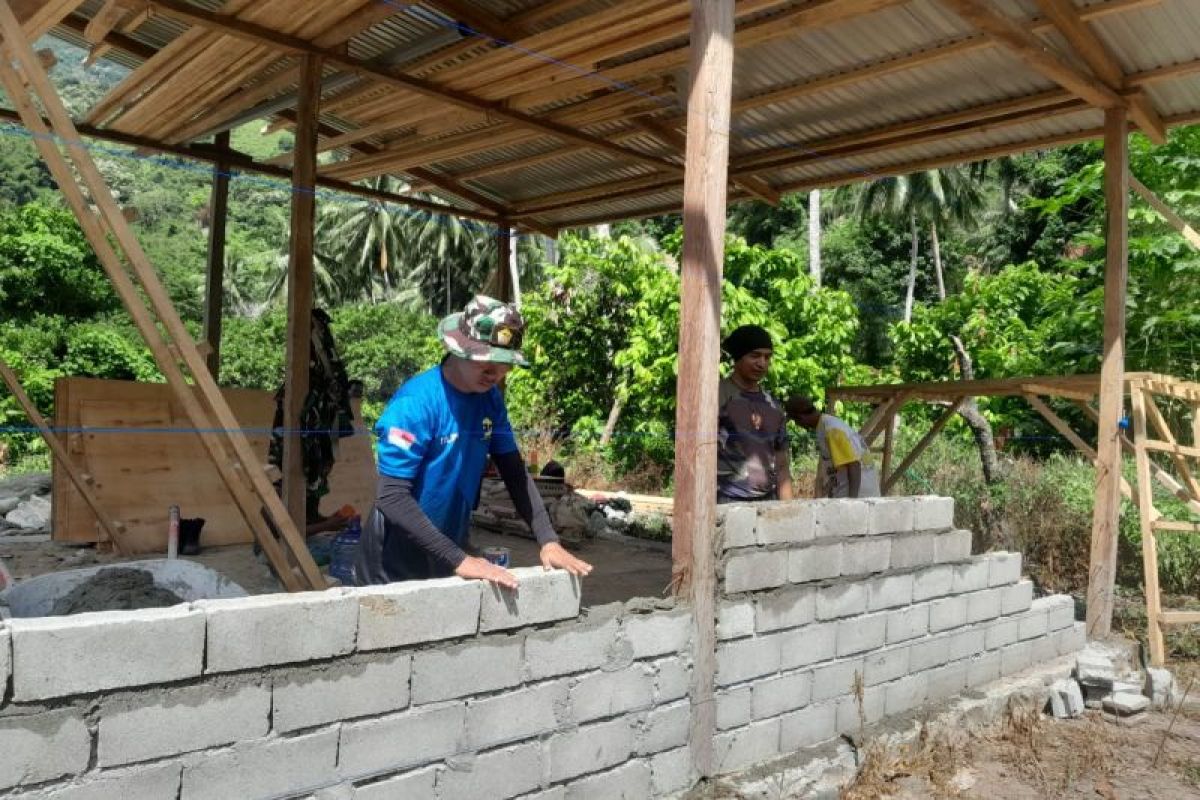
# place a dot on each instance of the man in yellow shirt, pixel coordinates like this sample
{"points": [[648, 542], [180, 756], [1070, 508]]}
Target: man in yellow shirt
{"points": [[846, 467]]}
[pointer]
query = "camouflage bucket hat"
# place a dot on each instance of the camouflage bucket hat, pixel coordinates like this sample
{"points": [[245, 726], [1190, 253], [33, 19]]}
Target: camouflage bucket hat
{"points": [[486, 330]]}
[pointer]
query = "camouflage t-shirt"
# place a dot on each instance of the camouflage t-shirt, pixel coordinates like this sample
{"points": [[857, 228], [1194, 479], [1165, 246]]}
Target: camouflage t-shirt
{"points": [[751, 430]]}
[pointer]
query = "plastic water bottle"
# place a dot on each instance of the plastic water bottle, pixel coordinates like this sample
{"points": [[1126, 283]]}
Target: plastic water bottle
{"points": [[344, 551]]}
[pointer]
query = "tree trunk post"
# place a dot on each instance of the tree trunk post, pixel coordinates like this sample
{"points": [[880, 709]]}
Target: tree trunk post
{"points": [[912, 271], [504, 252], [214, 286], [937, 260], [814, 237]]}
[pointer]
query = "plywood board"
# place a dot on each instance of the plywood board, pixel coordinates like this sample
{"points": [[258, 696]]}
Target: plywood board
{"points": [[134, 442]]}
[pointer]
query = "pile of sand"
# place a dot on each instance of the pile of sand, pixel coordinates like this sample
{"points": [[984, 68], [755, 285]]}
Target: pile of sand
{"points": [[115, 589]]}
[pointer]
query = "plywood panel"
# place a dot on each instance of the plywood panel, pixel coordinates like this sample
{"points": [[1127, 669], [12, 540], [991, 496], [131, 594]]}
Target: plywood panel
{"points": [[134, 442]]}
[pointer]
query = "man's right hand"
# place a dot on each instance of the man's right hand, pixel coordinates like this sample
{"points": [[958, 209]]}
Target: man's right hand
{"points": [[480, 569]]}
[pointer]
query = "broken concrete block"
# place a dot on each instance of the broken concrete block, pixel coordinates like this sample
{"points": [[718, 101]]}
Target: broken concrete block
{"points": [[1066, 699], [32, 514], [1159, 686], [1124, 704], [1093, 668]]}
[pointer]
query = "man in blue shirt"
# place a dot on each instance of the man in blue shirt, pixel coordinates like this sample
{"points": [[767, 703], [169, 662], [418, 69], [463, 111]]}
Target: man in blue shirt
{"points": [[434, 439]]}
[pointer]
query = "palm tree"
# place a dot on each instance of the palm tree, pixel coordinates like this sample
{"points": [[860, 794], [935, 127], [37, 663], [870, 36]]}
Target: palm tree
{"points": [[361, 246]]}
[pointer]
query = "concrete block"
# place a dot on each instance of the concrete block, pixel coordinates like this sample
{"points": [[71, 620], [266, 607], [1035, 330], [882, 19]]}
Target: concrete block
{"points": [[513, 716], [671, 680], [311, 696], [1002, 632], [906, 693], [751, 570], [885, 665], [1066, 699], [853, 715], [985, 605], [808, 645], [808, 726], [570, 648], [913, 550], [500, 774], [929, 652], [152, 724], [262, 768], [5, 662], [1071, 640], [747, 658], [91, 652], [543, 596], [1060, 610], [947, 613], [397, 741], [629, 781], [735, 619], [787, 522], [1094, 667], [473, 668], [666, 727], [606, 694], [43, 746], [966, 643], [839, 518], [951, 546], [1017, 598], [734, 707], [410, 612], [932, 582], [1125, 704], [1044, 649], [890, 591], [1004, 569], [248, 632], [740, 748], [1033, 623], [816, 562], [983, 669], [672, 772], [143, 782], [1015, 657], [1159, 686], [842, 600], [931, 513], [892, 515], [737, 522], [866, 556], [779, 694], [907, 623], [659, 633], [836, 679], [863, 633], [789, 607], [417, 783], [589, 749], [946, 681], [971, 576]]}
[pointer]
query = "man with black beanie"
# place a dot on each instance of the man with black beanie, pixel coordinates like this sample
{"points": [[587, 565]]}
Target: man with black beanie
{"points": [[753, 460]]}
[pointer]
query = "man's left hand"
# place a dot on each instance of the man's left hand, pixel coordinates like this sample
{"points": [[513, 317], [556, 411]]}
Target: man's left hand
{"points": [[555, 555]]}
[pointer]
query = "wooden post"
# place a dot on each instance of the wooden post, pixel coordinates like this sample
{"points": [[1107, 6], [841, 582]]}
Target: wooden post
{"points": [[1102, 572], [514, 266], [214, 287], [704, 194], [300, 285], [1139, 398], [504, 250]]}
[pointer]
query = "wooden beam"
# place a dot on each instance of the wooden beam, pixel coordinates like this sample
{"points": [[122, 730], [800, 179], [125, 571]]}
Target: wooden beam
{"points": [[1102, 572], [672, 138], [1177, 222], [1067, 432], [300, 288], [1146, 518], [925, 441], [693, 556], [214, 286], [1179, 617], [1179, 456]]}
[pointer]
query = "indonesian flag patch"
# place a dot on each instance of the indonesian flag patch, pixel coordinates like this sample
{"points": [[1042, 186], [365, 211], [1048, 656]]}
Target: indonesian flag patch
{"points": [[401, 438]]}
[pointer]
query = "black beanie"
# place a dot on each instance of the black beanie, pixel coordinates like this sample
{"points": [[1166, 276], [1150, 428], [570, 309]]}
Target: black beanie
{"points": [[745, 339]]}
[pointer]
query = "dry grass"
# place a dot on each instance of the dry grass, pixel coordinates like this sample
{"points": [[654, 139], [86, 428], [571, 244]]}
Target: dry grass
{"points": [[932, 760]]}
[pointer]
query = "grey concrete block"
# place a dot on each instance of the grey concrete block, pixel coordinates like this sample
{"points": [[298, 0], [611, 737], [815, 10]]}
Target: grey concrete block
{"points": [[930, 652], [513, 716], [542, 596], [606, 694], [742, 747], [839, 518], [1071, 640], [951, 546], [808, 726], [931, 513], [589, 748], [735, 619], [577, 647], [867, 632], [415, 783], [971, 576], [1015, 657], [947, 613], [885, 665], [397, 741], [248, 632], [913, 550], [311, 696], [816, 562], [734, 707], [473, 668], [1004, 569], [842, 600], [659, 633], [892, 515], [410, 612], [866, 556], [985, 605], [91, 652], [779, 694], [947, 681], [1002, 632], [1159, 686], [983, 669], [1033, 623], [153, 724], [906, 693], [630, 781], [666, 727], [672, 772], [836, 679], [1125, 704], [1060, 610], [43, 746], [500, 774], [932, 582], [1095, 667], [890, 591], [143, 782], [808, 645], [751, 570], [744, 659], [1017, 598], [1066, 699], [1044, 649], [262, 768], [736, 522], [786, 522], [966, 643], [671, 680], [907, 623], [789, 607], [853, 713]]}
